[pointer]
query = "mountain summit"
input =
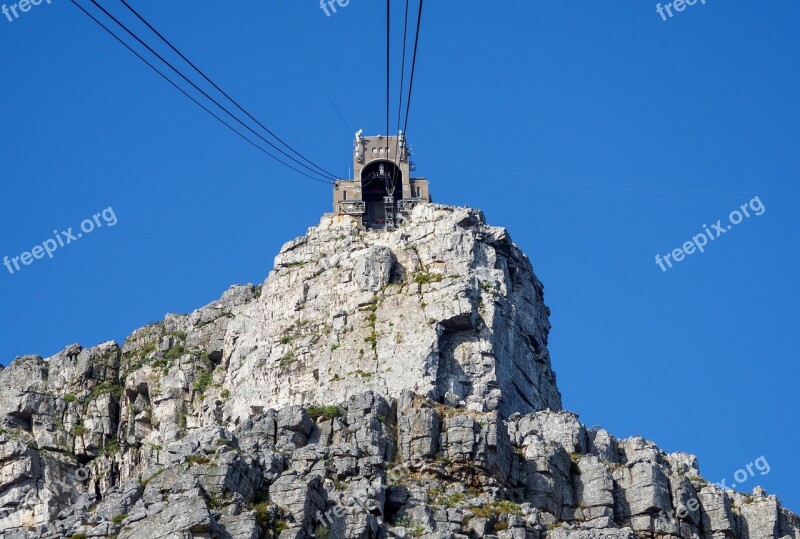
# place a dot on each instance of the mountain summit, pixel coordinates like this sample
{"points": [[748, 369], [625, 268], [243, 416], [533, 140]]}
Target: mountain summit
{"points": [[380, 383], [448, 308]]}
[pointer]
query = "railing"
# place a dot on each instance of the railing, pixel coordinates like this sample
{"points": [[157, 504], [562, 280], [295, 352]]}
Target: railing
{"points": [[407, 204], [352, 207]]}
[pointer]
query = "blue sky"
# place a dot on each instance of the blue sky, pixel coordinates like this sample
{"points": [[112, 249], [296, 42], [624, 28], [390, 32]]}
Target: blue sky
{"points": [[598, 133]]}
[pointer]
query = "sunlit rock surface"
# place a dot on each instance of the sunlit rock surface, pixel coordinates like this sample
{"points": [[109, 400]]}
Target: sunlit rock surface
{"points": [[378, 384]]}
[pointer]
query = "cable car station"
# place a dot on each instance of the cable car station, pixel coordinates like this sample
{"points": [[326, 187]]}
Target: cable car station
{"points": [[382, 190]]}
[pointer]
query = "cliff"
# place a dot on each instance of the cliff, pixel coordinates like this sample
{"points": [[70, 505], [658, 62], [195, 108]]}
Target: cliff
{"points": [[378, 384]]}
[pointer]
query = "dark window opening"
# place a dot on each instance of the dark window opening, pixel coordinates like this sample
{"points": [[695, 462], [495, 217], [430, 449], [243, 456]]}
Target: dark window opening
{"points": [[376, 179]]}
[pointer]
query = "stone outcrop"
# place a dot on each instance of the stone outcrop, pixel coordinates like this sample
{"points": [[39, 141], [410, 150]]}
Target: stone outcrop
{"points": [[449, 308], [378, 384]]}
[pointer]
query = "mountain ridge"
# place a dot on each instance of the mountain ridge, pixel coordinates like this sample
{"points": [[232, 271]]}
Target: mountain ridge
{"points": [[377, 384]]}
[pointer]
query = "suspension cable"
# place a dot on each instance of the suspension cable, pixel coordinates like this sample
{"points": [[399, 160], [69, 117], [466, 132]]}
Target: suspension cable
{"points": [[413, 68], [223, 122], [223, 92], [388, 177], [217, 103], [400, 102]]}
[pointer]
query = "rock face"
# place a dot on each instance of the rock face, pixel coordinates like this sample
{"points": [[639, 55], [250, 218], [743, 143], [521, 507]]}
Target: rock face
{"points": [[378, 384], [449, 308]]}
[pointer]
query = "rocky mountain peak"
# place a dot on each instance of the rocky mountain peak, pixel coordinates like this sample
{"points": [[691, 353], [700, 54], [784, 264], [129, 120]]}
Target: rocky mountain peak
{"points": [[378, 384], [446, 306]]}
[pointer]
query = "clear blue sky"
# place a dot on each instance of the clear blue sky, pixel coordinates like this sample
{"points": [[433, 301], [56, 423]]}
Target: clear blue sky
{"points": [[605, 134]]}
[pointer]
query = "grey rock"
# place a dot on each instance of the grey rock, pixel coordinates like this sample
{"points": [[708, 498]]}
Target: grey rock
{"points": [[423, 351]]}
